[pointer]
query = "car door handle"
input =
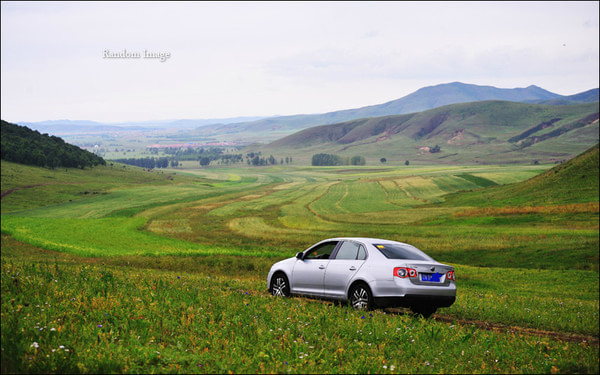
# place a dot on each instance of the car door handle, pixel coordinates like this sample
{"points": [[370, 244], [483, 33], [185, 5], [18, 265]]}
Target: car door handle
{"points": [[352, 268], [321, 267]]}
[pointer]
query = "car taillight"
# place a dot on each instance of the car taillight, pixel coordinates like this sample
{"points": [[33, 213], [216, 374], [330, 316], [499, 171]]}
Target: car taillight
{"points": [[404, 272], [450, 275]]}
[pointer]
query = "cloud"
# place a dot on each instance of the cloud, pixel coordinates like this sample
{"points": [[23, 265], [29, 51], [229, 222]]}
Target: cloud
{"points": [[261, 58]]}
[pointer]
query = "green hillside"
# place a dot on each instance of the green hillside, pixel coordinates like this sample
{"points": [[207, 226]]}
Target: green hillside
{"points": [[421, 100], [575, 181], [481, 132], [23, 145]]}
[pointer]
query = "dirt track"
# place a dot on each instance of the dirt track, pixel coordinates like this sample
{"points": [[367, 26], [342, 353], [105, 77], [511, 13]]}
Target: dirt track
{"points": [[6, 192], [498, 327]]}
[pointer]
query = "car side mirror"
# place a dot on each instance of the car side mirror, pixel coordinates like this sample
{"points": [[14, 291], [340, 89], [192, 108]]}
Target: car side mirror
{"points": [[300, 256]]}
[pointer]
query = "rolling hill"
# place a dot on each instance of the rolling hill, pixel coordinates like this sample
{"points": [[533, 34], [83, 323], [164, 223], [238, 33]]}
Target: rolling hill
{"points": [[477, 132], [423, 99], [23, 145], [575, 181], [266, 129]]}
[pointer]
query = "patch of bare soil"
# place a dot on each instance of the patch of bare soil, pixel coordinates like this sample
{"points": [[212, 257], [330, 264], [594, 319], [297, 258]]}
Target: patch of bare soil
{"points": [[9, 191]]}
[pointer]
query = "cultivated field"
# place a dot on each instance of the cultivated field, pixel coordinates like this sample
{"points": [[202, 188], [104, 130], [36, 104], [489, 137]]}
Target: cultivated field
{"points": [[125, 270]]}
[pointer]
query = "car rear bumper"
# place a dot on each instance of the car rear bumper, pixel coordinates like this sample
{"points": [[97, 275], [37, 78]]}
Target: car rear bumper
{"points": [[415, 300]]}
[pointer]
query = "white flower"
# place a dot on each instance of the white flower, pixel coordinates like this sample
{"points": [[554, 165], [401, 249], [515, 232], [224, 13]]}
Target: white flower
{"points": [[35, 345]]}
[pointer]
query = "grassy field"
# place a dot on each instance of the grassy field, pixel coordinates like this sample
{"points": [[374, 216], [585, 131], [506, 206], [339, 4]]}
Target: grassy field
{"points": [[124, 270], [275, 211], [61, 313]]}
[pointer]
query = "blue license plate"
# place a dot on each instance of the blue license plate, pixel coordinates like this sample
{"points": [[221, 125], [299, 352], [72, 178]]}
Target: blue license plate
{"points": [[431, 277]]}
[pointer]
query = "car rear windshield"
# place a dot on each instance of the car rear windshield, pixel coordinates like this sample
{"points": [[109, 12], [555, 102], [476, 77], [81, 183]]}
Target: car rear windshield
{"points": [[396, 251]]}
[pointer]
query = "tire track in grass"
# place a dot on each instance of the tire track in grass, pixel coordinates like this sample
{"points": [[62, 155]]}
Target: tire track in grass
{"points": [[485, 325], [10, 191], [505, 328]]}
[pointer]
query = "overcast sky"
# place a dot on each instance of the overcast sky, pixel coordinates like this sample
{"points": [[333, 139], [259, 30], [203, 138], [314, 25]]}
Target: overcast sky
{"points": [[269, 58]]}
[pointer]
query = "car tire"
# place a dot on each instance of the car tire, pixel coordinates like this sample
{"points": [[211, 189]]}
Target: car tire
{"points": [[280, 286], [360, 297], [425, 311]]}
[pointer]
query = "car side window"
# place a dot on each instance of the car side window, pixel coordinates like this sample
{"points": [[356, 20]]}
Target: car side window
{"points": [[362, 254], [322, 251], [350, 250]]}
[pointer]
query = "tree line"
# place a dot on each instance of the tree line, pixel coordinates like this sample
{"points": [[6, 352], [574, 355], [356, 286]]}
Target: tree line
{"points": [[332, 159], [149, 162], [26, 146], [205, 158]]}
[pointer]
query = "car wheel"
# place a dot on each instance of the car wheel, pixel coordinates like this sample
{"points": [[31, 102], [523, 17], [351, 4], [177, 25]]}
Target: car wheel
{"points": [[280, 285], [425, 311], [361, 297]]}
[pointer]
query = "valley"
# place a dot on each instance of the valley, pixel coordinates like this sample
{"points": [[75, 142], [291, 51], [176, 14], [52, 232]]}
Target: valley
{"points": [[164, 270], [161, 267]]}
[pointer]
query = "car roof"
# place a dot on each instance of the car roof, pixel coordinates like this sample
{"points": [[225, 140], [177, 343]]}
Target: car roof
{"points": [[364, 240]]}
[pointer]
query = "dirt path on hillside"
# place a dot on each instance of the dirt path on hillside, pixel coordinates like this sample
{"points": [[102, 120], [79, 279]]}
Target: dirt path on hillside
{"points": [[9, 191]]}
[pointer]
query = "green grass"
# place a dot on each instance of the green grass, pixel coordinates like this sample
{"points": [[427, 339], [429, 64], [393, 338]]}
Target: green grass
{"points": [[572, 182], [163, 265], [68, 314], [276, 211], [106, 237]]}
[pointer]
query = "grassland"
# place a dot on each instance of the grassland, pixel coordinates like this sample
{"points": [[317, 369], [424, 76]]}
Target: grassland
{"points": [[165, 272]]}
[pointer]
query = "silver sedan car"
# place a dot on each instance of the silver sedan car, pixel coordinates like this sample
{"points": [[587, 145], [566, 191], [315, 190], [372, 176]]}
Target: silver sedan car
{"points": [[366, 273]]}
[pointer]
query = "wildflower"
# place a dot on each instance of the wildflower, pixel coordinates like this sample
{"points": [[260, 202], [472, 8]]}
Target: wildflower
{"points": [[99, 325], [52, 329], [35, 345]]}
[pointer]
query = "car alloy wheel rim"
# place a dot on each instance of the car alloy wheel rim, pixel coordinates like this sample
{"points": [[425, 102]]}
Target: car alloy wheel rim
{"points": [[360, 299], [279, 287]]}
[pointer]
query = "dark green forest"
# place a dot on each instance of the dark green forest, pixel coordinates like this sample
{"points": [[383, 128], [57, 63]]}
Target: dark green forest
{"points": [[23, 145], [331, 160]]}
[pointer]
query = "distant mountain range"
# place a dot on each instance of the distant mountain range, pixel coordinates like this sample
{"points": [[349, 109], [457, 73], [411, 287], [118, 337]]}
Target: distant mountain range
{"points": [[65, 127], [421, 100], [489, 132], [271, 128]]}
